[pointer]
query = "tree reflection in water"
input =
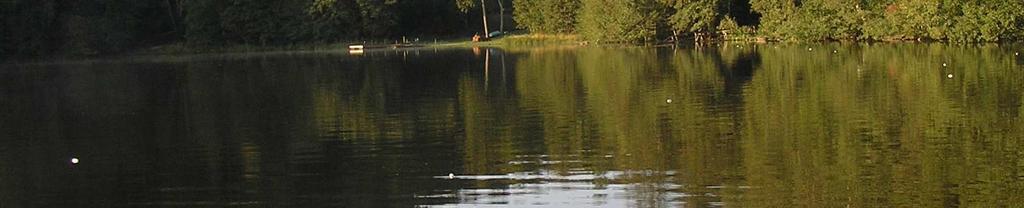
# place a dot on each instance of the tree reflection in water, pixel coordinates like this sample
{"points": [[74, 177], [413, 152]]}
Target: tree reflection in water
{"points": [[771, 125]]}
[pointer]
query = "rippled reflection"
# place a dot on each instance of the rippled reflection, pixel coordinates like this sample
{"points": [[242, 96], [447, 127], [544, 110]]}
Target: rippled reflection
{"points": [[733, 125]]}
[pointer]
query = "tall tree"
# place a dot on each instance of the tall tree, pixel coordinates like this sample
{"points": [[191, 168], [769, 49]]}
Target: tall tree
{"points": [[466, 5], [483, 12]]}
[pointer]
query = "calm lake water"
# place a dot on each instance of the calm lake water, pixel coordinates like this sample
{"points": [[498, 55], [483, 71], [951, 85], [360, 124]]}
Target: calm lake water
{"points": [[777, 125]]}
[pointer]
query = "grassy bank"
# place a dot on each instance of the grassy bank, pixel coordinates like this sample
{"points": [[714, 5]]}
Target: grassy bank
{"points": [[540, 40], [518, 40]]}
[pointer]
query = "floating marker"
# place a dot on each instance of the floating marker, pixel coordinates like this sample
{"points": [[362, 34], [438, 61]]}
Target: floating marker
{"points": [[74, 160], [451, 176], [949, 76], [1016, 54], [943, 64], [668, 101], [810, 49], [835, 51]]}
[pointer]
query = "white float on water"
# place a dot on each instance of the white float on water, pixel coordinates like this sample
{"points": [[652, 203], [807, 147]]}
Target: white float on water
{"points": [[668, 101], [949, 76], [74, 160], [451, 176], [943, 64]]}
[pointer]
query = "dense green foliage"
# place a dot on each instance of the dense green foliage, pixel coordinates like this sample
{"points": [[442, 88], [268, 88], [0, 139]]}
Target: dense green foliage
{"points": [[946, 20], [620, 20], [648, 20], [694, 15], [40, 27], [952, 20], [547, 16], [16, 37]]}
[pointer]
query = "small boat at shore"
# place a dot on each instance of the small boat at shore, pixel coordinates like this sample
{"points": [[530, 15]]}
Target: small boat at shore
{"points": [[360, 48], [356, 49]]}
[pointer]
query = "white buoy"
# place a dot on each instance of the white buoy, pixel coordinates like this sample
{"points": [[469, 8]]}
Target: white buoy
{"points": [[810, 49], [451, 176], [74, 160], [943, 64], [835, 51], [949, 76], [1016, 54], [668, 101]]}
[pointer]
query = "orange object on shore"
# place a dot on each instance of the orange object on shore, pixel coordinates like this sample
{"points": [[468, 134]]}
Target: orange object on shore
{"points": [[476, 37]]}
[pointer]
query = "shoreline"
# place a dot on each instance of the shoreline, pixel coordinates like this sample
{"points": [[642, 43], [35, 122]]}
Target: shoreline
{"points": [[517, 40], [511, 41], [508, 42]]}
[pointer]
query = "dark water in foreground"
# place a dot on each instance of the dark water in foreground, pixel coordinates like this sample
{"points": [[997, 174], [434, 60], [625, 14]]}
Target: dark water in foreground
{"points": [[733, 126]]}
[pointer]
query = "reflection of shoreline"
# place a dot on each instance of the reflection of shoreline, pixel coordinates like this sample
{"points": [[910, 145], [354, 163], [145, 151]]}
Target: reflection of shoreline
{"points": [[802, 128], [784, 113]]}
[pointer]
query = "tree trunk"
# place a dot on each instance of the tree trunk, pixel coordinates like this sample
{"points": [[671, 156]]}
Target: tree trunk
{"points": [[483, 8], [501, 26], [170, 12], [675, 37]]}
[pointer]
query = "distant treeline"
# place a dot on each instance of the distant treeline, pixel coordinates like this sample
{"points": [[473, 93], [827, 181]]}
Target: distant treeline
{"points": [[43, 27]]}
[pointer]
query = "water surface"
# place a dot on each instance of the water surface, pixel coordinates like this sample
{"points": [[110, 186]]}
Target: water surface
{"points": [[836, 125]]}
